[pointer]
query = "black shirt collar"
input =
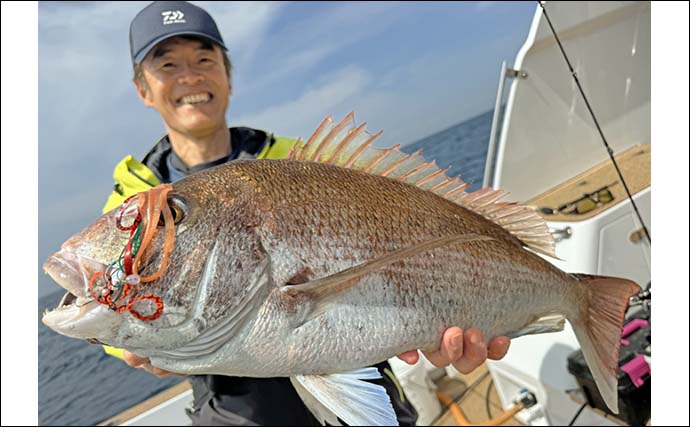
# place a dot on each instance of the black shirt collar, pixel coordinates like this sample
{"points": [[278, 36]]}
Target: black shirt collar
{"points": [[246, 143]]}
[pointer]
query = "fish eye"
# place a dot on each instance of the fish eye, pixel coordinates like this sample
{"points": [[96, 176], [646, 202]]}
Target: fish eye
{"points": [[177, 213], [176, 209]]}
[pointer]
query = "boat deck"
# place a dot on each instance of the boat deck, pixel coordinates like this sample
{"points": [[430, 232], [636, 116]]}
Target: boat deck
{"points": [[470, 394], [468, 391], [137, 415], [635, 164]]}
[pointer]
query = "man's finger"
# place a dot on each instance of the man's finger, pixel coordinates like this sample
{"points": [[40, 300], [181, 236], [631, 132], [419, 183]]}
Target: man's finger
{"points": [[452, 343], [474, 353], [451, 348], [437, 359], [498, 347], [133, 360], [147, 367], [411, 357], [161, 373]]}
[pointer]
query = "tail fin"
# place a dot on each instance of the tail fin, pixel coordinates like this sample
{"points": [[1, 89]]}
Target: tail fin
{"points": [[598, 328]]}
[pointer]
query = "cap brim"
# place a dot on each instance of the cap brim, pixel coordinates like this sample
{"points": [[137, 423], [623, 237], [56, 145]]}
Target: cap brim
{"points": [[145, 51]]}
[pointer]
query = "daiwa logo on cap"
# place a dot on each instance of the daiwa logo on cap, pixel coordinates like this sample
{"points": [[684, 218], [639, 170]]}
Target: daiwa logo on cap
{"points": [[173, 17]]}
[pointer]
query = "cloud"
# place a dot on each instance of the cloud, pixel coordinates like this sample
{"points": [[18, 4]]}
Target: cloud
{"points": [[409, 102], [301, 116], [325, 34], [243, 25], [248, 83], [84, 72]]}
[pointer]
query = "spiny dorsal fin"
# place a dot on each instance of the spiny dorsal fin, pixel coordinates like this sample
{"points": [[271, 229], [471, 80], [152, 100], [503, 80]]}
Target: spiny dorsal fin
{"points": [[343, 144]]}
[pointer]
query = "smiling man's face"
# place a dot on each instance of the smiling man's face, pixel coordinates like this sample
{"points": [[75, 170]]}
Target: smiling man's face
{"points": [[188, 85]]}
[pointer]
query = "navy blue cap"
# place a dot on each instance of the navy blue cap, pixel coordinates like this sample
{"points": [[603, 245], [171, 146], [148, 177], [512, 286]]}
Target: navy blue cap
{"points": [[164, 19]]}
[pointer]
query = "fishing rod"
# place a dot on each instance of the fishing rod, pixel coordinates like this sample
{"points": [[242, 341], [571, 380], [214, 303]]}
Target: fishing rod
{"points": [[596, 122]]}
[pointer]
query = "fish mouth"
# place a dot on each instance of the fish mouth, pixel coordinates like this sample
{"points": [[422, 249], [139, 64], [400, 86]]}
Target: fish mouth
{"points": [[77, 314], [69, 303], [72, 272]]}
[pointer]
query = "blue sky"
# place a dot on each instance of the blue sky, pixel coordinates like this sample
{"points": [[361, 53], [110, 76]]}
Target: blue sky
{"points": [[411, 69]]}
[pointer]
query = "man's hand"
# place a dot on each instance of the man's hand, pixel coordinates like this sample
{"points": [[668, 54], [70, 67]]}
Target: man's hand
{"points": [[145, 363], [466, 351]]}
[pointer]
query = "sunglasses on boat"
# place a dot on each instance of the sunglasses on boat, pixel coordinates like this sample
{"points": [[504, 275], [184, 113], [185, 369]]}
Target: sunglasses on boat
{"points": [[587, 203]]}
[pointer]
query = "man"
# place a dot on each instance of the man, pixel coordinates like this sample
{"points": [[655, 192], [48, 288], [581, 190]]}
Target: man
{"points": [[181, 69]]}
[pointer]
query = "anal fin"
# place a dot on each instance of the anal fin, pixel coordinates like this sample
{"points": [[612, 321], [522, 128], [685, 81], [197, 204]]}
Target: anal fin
{"points": [[542, 325]]}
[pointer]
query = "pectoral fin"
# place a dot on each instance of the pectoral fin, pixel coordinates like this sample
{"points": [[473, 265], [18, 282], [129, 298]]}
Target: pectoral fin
{"points": [[346, 397], [343, 280]]}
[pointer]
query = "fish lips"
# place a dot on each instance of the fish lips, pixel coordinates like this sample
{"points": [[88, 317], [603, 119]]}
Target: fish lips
{"points": [[72, 272], [77, 315], [87, 320]]}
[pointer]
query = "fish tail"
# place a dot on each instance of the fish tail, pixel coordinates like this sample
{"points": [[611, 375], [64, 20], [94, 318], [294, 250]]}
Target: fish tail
{"points": [[598, 324]]}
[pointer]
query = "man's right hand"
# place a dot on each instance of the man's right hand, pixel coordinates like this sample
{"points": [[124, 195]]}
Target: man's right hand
{"points": [[145, 363], [465, 350]]}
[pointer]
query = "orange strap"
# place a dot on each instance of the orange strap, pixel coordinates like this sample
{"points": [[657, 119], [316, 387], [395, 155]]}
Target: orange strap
{"points": [[154, 202], [463, 421]]}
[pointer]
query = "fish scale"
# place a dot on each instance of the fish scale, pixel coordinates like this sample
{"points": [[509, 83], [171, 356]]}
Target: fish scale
{"points": [[324, 236]]}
